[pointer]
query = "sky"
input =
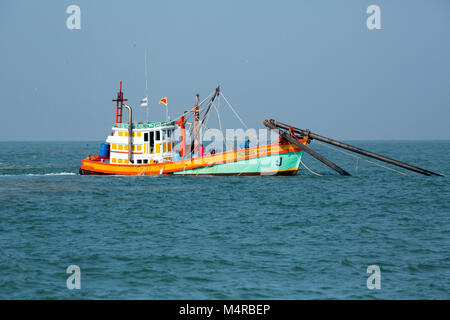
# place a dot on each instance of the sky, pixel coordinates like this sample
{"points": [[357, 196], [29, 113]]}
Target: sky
{"points": [[313, 64]]}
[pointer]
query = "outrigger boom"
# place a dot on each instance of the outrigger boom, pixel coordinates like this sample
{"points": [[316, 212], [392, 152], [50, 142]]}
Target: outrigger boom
{"points": [[308, 135]]}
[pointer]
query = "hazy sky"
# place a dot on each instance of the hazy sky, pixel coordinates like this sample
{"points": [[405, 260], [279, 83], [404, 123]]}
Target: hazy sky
{"points": [[313, 64]]}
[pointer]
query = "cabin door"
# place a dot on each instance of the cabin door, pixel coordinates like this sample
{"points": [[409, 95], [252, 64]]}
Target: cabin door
{"points": [[146, 142], [152, 141]]}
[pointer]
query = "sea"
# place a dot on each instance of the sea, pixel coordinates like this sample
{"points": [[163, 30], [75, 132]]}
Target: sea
{"points": [[378, 234]]}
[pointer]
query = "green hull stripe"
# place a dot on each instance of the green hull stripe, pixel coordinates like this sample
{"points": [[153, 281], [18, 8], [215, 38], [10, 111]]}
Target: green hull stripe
{"points": [[270, 164]]}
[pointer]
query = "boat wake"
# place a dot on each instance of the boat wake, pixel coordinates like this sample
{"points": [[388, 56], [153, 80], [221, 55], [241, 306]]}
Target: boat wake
{"points": [[41, 174]]}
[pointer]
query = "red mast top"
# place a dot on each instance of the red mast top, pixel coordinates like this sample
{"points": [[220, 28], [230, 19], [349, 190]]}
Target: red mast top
{"points": [[119, 107]]}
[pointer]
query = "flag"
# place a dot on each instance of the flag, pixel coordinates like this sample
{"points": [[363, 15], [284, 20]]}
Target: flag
{"points": [[163, 101], [144, 102]]}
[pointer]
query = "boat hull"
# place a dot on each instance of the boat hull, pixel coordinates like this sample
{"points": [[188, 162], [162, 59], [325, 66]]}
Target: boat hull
{"points": [[279, 164], [277, 159]]}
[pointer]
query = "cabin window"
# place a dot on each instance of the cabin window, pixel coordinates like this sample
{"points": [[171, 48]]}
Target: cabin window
{"points": [[139, 161], [158, 135], [146, 136], [169, 133], [145, 161], [138, 134]]}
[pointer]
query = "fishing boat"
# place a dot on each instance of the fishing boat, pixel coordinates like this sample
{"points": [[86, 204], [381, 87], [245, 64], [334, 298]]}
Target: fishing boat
{"points": [[153, 148]]}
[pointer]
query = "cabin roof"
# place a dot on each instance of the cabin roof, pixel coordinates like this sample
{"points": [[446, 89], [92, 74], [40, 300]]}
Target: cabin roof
{"points": [[143, 125]]}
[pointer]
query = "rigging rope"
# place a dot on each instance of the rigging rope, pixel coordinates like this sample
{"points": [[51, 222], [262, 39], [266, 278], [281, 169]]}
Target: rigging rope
{"points": [[304, 165], [232, 109], [190, 111], [309, 168], [218, 115], [360, 158]]}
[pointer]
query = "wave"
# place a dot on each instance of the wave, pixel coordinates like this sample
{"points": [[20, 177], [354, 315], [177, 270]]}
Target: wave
{"points": [[42, 174]]}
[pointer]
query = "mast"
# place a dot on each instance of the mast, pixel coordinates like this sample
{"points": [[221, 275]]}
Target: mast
{"points": [[197, 122], [146, 83], [216, 94], [196, 118], [119, 106]]}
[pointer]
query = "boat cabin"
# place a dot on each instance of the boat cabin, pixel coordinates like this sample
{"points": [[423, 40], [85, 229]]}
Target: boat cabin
{"points": [[151, 142]]}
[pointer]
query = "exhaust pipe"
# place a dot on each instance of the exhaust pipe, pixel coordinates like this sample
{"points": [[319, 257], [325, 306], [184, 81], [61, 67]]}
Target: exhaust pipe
{"points": [[130, 133]]}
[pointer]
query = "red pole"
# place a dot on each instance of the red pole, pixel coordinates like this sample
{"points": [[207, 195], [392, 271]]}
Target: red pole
{"points": [[183, 138], [121, 103], [195, 128], [181, 123], [119, 108]]}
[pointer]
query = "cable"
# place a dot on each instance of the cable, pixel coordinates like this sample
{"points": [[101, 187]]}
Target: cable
{"points": [[360, 158], [232, 109], [309, 168]]}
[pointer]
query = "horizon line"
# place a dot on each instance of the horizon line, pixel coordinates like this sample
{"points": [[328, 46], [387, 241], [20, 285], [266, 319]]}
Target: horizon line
{"points": [[434, 139]]}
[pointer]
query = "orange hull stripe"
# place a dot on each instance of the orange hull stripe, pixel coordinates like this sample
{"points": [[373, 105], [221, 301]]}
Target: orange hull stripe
{"points": [[187, 164]]}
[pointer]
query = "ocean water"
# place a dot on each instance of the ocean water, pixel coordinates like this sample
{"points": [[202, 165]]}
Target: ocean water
{"points": [[171, 237]]}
